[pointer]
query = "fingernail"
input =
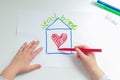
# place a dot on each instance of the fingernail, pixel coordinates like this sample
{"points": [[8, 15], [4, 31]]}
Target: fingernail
{"points": [[78, 56], [37, 41], [76, 48], [32, 42], [25, 43]]}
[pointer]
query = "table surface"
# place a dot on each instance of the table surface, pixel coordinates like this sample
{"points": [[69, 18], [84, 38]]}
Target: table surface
{"points": [[8, 25]]}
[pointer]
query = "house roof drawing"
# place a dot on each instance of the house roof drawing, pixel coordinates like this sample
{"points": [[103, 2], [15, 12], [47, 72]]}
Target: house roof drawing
{"points": [[58, 23]]}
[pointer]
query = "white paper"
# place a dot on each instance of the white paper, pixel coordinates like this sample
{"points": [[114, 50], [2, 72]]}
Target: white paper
{"points": [[89, 32], [29, 28]]}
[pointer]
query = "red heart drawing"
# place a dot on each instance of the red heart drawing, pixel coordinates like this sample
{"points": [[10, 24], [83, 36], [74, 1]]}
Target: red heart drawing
{"points": [[59, 40]]}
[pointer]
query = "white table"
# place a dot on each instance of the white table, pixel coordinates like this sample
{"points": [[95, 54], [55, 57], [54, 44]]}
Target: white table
{"points": [[8, 25]]}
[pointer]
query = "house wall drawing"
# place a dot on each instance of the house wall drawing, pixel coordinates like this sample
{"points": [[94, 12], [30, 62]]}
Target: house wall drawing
{"points": [[60, 28]]}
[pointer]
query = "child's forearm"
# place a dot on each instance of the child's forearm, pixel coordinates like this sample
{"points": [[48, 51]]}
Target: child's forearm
{"points": [[96, 73]]}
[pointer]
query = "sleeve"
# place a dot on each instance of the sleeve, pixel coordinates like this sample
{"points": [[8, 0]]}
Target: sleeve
{"points": [[2, 78], [104, 77]]}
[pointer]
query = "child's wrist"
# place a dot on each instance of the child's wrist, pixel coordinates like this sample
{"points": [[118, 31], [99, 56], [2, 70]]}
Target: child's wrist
{"points": [[10, 72]]}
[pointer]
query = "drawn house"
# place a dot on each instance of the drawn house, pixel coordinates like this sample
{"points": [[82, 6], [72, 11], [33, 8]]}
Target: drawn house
{"points": [[58, 27]]}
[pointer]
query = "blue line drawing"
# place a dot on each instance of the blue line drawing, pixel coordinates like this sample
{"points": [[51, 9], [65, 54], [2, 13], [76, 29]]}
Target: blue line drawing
{"points": [[54, 29]]}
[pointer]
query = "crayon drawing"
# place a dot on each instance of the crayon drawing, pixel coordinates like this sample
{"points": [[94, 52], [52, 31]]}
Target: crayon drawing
{"points": [[59, 40], [58, 34]]}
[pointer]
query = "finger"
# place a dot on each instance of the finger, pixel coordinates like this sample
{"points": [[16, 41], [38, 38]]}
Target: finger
{"points": [[84, 47], [33, 46], [80, 53], [36, 52], [22, 47], [33, 67], [91, 54], [29, 45], [78, 56]]}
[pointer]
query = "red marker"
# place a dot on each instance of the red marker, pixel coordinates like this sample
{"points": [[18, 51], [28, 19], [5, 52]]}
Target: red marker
{"points": [[85, 50]]}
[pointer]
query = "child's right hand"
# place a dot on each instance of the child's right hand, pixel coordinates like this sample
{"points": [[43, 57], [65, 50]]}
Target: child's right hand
{"points": [[90, 63]]}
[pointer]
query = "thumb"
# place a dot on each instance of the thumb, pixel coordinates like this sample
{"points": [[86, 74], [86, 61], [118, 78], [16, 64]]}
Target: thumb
{"points": [[34, 67], [80, 53]]}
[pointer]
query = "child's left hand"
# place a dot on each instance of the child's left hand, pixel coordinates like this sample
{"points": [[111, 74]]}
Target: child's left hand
{"points": [[21, 62]]}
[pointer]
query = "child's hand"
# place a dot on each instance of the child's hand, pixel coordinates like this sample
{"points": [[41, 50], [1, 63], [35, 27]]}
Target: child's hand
{"points": [[87, 58], [90, 63], [21, 62]]}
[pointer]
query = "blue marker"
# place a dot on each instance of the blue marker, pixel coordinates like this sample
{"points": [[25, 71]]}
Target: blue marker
{"points": [[108, 5]]}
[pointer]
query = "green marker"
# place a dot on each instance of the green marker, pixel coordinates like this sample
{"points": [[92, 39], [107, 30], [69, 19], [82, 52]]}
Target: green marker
{"points": [[108, 9]]}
